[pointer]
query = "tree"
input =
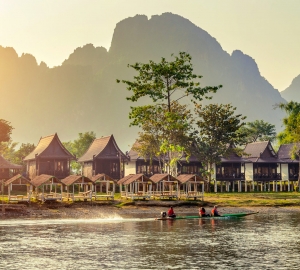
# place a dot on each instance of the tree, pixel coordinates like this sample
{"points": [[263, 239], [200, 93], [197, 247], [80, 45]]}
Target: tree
{"points": [[5, 130], [7, 149], [258, 130], [79, 146], [291, 132], [166, 135], [217, 130], [165, 83]]}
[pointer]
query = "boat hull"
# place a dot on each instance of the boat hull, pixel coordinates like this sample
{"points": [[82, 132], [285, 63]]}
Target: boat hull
{"points": [[233, 215]]}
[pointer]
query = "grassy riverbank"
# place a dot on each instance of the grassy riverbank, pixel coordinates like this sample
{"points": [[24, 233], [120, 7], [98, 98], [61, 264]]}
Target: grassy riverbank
{"points": [[254, 199]]}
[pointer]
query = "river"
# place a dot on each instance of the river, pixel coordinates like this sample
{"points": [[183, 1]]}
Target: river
{"points": [[261, 241]]}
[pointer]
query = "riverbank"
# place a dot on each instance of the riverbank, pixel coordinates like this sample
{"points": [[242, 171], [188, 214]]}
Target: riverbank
{"points": [[228, 203]]}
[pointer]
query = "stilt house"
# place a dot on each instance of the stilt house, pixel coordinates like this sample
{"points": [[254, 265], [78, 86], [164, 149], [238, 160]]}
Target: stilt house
{"points": [[49, 157], [103, 156]]}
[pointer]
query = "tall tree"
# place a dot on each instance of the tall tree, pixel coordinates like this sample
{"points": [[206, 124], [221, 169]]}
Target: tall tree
{"points": [[5, 130], [217, 127], [165, 135], [79, 146], [258, 130], [165, 83], [291, 132]]}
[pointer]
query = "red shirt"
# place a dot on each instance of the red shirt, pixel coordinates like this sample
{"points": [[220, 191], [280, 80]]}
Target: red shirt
{"points": [[171, 212], [202, 212]]}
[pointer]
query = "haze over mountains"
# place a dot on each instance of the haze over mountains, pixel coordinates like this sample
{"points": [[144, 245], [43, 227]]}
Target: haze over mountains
{"points": [[82, 94]]}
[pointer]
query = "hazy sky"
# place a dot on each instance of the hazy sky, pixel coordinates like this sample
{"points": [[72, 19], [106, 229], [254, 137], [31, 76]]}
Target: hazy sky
{"points": [[267, 30]]}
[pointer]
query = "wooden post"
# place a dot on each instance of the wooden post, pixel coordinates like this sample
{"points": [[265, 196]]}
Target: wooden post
{"points": [[2, 189]]}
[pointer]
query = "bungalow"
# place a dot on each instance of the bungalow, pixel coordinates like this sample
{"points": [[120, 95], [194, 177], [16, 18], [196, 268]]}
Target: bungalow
{"points": [[103, 156], [265, 167], [49, 157], [7, 169]]}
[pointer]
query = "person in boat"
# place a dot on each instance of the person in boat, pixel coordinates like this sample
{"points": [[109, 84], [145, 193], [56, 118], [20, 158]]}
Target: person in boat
{"points": [[202, 212], [214, 212], [171, 212]]}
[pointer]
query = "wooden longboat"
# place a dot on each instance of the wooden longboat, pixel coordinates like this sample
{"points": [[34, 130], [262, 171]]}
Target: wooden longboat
{"points": [[233, 215]]}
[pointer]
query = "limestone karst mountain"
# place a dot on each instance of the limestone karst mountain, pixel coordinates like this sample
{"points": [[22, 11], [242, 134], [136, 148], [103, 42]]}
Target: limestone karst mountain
{"points": [[293, 91], [82, 94]]}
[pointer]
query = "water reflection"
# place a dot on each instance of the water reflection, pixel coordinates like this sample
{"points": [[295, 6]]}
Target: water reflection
{"points": [[254, 242]]}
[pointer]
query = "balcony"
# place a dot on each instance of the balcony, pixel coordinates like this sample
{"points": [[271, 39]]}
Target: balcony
{"points": [[230, 176], [267, 177], [293, 177]]}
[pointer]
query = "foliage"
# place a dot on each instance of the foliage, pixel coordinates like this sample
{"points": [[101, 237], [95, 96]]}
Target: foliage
{"points": [[161, 81], [5, 130], [79, 146], [217, 132], [291, 132], [165, 123], [258, 130], [7, 150], [165, 135]]}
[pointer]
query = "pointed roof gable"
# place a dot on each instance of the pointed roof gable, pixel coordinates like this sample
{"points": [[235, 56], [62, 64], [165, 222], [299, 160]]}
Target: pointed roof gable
{"points": [[76, 179], [44, 179], [260, 152], [101, 177], [134, 178], [284, 153], [183, 178], [99, 146], [5, 164], [22, 180], [162, 177], [50, 147]]}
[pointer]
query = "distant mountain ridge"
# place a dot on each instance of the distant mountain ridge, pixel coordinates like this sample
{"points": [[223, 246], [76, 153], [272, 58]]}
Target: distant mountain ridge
{"points": [[82, 94], [293, 91]]}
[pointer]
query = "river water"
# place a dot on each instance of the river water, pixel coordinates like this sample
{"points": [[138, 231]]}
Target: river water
{"points": [[255, 242]]}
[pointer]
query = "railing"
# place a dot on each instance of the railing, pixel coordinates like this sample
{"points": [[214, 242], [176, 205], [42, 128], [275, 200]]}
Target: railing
{"points": [[293, 177], [266, 176], [230, 176]]}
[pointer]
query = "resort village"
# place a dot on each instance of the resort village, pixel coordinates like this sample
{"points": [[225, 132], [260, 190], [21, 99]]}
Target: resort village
{"points": [[106, 170]]}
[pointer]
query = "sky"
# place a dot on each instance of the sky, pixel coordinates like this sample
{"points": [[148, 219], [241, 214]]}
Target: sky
{"points": [[50, 30]]}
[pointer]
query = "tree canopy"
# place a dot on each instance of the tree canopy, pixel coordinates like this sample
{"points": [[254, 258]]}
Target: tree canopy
{"points": [[165, 121], [217, 127], [166, 135], [165, 82], [5, 130], [291, 132], [79, 146], [258, 130]]}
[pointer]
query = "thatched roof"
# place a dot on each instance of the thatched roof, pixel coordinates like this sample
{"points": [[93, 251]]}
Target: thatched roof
{"points": [[183, 178], [134, 178], [17, 178], [163, 177], [101, 177], [105, 147], [50, 147], [5, 164], [44, 179], [76, 179], [261, 152]]}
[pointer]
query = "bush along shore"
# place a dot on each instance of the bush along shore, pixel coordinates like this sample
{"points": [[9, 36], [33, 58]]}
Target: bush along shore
{"points": [[227, 202]]}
